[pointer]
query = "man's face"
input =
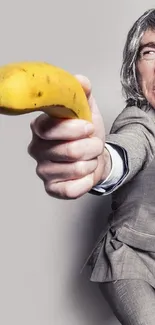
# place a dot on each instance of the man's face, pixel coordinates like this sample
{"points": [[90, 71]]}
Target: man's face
{"points": [[146, 66]]}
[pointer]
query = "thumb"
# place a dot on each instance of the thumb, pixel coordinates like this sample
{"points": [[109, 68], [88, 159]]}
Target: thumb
{"points": [[96, 114], [97, 118], [85, 83]]}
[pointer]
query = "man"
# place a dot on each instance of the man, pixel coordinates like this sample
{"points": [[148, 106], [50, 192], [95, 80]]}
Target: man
{"points": [[74, 157]]}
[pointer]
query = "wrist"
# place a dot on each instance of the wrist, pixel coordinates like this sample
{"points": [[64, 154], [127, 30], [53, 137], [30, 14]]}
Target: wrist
{"points": [[111, 176], [107, 164]]}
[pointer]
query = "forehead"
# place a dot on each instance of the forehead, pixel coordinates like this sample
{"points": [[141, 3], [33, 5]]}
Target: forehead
{"points": [[148, 37]]}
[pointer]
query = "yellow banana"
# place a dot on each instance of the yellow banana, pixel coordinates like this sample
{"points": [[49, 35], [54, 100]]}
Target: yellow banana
{"points": [[38, 86]]}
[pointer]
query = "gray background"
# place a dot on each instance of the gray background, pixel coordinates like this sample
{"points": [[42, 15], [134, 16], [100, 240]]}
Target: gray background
{"points": [[44, 241]]}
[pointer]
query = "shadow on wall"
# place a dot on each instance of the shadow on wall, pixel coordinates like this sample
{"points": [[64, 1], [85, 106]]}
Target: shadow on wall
{"points": [[86, 295]]}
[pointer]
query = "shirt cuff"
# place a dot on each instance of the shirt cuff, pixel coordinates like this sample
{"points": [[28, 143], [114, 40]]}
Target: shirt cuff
{"points": [[117, 172]]}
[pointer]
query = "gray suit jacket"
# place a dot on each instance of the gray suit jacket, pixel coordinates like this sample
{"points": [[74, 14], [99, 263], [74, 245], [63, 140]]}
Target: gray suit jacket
{"points": [[134, 130], [126, 248]]}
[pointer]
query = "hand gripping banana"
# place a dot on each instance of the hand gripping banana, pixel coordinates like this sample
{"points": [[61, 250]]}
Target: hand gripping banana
{"points": [[38, 86]]}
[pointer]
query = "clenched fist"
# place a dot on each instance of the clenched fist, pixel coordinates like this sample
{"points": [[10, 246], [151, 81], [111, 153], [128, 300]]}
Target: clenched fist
{"points": [[70, 153]]}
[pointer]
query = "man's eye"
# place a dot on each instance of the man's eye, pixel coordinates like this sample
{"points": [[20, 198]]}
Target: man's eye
{"points": [[148, 54]]}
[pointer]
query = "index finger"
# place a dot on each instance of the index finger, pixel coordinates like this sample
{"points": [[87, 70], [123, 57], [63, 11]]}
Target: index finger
{"points": [[49, 128]]}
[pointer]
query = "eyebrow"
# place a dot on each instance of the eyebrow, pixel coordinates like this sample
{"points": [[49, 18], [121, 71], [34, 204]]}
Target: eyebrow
{"points": [[149, 44]]}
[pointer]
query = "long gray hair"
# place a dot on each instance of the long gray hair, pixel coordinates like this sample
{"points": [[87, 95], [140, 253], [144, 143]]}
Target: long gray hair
{"points": [[130, 87]]}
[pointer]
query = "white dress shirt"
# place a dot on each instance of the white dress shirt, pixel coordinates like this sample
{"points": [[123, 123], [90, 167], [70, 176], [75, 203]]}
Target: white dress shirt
{"points": [[119, 165]]}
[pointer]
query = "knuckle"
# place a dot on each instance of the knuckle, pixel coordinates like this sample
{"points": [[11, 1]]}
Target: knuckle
{"points": [[99, 145], [32, 126], [48, 188], [79, 169], [41, 172], [67, 192], [59, 190], [71, 151], [33, 147], [31, 150], [53, 189]]}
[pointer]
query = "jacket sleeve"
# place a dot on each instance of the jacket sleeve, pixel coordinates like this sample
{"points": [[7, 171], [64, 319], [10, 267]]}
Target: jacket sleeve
{"points": [[134, 131]]}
